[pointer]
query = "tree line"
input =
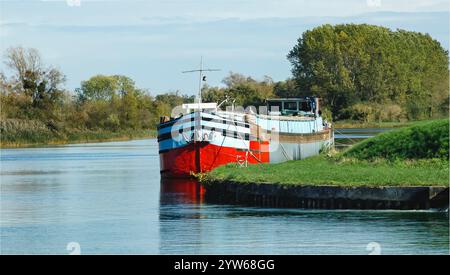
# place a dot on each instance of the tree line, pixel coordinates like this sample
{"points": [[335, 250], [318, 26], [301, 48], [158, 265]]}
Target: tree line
{"points": [[36, 92], [103, 102], [361, 72]]}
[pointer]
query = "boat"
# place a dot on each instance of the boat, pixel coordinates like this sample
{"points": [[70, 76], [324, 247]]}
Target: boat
{"points": [[203, 136]]}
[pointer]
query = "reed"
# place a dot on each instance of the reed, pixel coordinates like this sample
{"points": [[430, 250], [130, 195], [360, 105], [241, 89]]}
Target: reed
{"points": [[25, 133]]}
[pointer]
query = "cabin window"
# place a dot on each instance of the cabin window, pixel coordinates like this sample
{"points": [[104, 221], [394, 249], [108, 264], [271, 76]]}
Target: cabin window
{"points": [[290, 105], [304, 106], [274, 106]]}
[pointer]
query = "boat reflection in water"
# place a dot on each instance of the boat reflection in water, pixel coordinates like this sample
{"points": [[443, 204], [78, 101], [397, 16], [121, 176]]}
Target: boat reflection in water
{"points": [[181, 191], [182, 216]]}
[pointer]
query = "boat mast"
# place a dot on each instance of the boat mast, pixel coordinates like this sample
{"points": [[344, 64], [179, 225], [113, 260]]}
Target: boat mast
{"points": [[200, 71]]}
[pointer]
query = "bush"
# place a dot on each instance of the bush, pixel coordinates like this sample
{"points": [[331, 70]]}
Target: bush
{"points": [[359, 111], [112, 122], [422, 140], [365, 112], [389, 112]]}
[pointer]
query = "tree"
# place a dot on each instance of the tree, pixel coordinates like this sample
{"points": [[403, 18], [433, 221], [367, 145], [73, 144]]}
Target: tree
{"points": [[99, 87], [43, 85], [350, 64], [286, 89], [243, 90], [129, 111]]}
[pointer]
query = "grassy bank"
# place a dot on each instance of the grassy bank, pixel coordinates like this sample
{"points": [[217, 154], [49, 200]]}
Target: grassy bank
{"points": [[417, 155], [422, 140], [29, 133], [323, 170]]}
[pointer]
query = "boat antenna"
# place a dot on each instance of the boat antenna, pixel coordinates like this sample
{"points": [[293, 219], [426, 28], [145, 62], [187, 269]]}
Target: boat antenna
{"points": [[201, 78]]}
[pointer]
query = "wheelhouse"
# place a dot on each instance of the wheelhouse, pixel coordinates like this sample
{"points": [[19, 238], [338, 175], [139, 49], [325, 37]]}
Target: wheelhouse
{"points": [[306, 106]]}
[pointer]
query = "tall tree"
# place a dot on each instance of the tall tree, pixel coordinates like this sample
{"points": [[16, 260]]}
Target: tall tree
{"points": [[365, 64]]}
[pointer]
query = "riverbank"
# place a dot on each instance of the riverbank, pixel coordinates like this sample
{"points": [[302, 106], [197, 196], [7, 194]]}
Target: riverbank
{"points": [[333, 183], [17, 134], [417, 155], [338, 171], [406, 168], [328, 197]]}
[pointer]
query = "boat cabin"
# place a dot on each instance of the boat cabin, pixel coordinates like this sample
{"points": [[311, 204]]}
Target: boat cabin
{"points": [[306, 106]]}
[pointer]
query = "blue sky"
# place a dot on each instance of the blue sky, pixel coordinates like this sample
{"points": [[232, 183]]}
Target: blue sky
{"points": [[153, 41]]}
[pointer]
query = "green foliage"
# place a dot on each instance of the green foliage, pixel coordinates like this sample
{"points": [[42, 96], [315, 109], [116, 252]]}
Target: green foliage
{"points": [[371, 112], [35, 108], [286, 89], [99, 87], [244, 91], [173, 99], [20, 132], [366, 65], [35, 90], [361, 112], [25, 131], [422, 140]]}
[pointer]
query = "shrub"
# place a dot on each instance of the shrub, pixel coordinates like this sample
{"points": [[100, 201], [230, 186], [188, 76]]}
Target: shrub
{"points": [[422, 140], [389, 112], [360, 112]]}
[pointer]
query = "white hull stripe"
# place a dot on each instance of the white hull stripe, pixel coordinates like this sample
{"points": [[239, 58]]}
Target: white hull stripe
{"points": [[205, 124], [224, 129], [193, 117], [170, 144]]}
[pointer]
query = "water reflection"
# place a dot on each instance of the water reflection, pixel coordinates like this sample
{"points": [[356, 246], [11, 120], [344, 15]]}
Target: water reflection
{"points": [[189, 225], [181, 219], [181, 191]]}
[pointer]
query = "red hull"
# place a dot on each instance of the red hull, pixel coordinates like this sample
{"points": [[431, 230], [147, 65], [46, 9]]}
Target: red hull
{"points": [[201, 157]]}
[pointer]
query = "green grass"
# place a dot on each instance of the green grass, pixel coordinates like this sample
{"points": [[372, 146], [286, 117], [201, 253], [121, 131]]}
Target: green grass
{"points": [[339, 171], [417, 155], [421, 140], [28, 133]]}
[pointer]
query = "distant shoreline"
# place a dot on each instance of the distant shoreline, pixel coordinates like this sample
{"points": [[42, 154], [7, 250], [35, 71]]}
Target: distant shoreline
{"points": [[82, 138], [353, 124]]}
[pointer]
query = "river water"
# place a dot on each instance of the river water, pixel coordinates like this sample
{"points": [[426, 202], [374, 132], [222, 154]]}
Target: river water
{"points": [[108, 198]]}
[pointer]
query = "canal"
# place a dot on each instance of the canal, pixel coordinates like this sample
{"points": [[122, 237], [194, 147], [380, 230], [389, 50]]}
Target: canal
{"points": [[108, 198]]}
